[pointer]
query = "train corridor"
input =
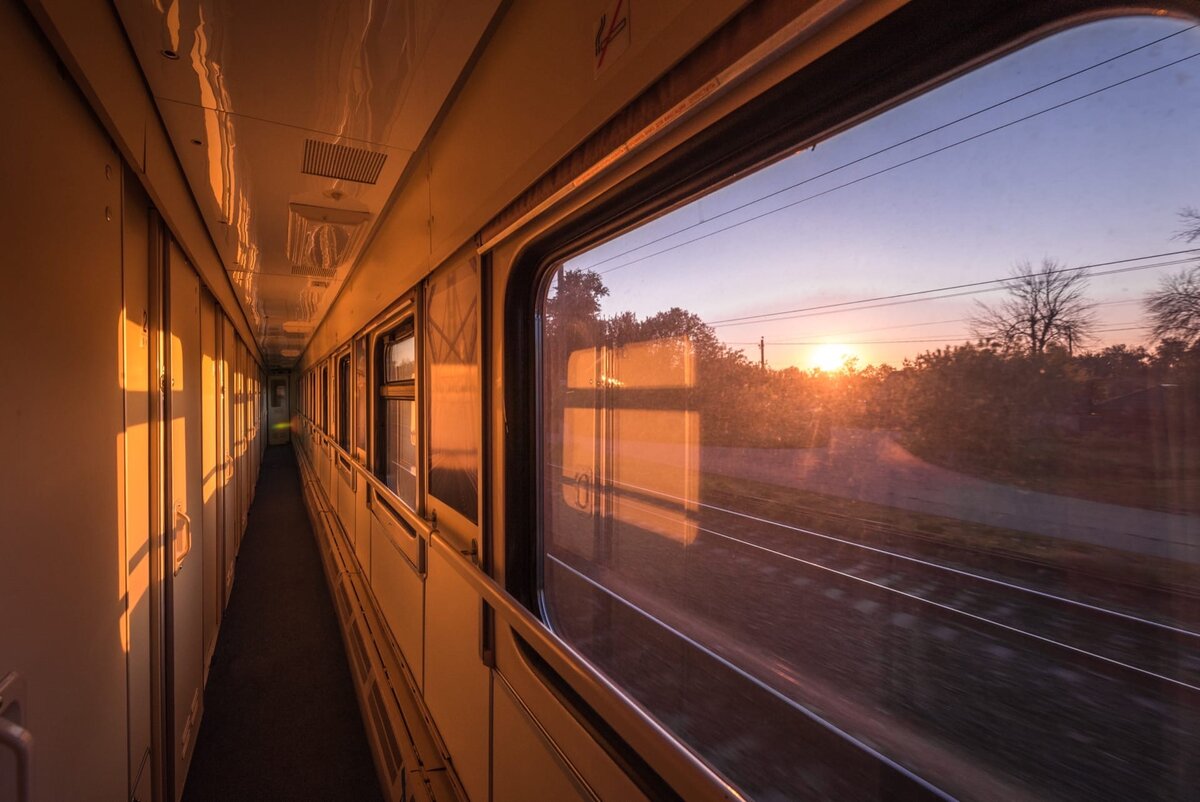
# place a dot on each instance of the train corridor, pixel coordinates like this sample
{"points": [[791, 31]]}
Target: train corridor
{"points": [[280, 717]]}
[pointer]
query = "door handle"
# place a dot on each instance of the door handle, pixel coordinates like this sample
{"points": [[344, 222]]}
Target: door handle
{"points": [[16, 737], [182, 546]]}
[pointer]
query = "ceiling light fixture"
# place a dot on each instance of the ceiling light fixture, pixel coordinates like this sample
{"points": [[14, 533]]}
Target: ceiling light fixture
{"points": [[321, 238]]}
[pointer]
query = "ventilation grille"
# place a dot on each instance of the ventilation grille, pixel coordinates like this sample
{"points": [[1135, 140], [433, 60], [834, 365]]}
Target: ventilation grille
{"points": [[384, 734], [343, 602], [360, 651], [344, 163], [313, 271]]}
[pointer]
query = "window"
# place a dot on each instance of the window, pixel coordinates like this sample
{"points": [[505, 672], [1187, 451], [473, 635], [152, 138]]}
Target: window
{"points": [[343, 429], [360, 397], [454, 388], [398, 406], [325, 399], [892, 446]]}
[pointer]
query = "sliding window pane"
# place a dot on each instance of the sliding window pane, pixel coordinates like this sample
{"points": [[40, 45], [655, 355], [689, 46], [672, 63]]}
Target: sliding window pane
{"points": [[401, 445]]}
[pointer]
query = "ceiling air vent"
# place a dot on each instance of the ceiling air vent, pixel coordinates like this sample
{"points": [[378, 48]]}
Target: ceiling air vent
{"points": [[342, 162]]}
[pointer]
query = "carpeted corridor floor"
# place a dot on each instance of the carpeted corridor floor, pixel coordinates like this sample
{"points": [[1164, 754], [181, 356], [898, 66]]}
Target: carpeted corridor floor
{"points": [[281, 721]]}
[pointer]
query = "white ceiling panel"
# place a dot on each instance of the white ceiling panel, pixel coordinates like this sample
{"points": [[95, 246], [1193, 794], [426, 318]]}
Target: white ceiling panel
{"points": [[244, 87]]}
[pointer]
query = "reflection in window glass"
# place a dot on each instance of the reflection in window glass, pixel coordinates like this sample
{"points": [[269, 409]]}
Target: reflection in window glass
{"points": [[402, 449], [397, 451], [901, 435], [360, 396], [343, 432], [454, 390], [399, 362]]}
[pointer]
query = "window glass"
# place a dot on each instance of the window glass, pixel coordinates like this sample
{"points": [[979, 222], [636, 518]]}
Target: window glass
{"points": [[399, 362], [325, 400], [452, 326], [401, 444], [894, 445], [343, 432], [398, 427], [360, 396]]}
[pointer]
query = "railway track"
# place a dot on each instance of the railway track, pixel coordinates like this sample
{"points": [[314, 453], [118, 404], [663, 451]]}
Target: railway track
{"points": [[947, 655], [1110, 585]]}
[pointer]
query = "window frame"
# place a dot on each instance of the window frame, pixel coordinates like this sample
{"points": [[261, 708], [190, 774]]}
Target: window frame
{"points": [[343, 399], [848, 85], [882, 67], [360, 436], [325, 397], [398, 327]]}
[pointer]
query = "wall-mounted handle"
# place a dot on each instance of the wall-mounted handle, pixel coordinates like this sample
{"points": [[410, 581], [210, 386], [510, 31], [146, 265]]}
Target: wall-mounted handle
{"points": [[16, 737], [182, 546]]}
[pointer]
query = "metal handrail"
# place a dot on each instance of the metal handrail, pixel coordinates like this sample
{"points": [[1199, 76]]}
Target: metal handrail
{"points": [[684, 771], [16, 737]]}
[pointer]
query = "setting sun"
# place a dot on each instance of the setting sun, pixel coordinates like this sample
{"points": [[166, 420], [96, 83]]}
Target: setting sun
{"points": [[830, 356]]}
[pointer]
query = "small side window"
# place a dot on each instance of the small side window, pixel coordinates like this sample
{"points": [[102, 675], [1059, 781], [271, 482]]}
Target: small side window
{"points": [[397, 461], [360, 398], [343, 409]]}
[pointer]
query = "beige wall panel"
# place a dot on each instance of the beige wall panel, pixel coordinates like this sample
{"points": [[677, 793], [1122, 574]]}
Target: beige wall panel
{"points": [[345, 483], [209, 331], [578, 746], [99, 49], [227, 487], [62, 595], [525, 765], [240, 429], [362, 528], [401, 596], [137, 375], [186, 507], [457, 684]]}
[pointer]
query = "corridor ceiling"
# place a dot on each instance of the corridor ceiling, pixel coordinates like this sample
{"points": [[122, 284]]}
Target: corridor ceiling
{"points": [[293, 122]]}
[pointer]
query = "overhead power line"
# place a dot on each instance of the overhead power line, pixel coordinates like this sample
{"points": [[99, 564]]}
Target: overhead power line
{"points": [[896, 166], [893, 146], [940, 293]]}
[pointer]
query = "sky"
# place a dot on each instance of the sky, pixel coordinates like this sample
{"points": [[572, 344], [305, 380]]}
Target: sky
{"points": [[1091, 170]]}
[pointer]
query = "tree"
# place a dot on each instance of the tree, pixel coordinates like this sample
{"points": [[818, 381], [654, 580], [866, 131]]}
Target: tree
{"points": [[572, 313], [1045, 306], [1189, 216], [1174, 308]]}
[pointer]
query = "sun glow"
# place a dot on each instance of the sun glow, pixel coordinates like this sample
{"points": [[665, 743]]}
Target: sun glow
{"points": [[830, 357]]}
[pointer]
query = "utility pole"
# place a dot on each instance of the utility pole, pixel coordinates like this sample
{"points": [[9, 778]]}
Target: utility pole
{"points": [[762, 353]]}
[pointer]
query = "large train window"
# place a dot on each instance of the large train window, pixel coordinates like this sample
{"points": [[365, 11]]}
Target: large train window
{"points": [[891, 448], [398, 428]]}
